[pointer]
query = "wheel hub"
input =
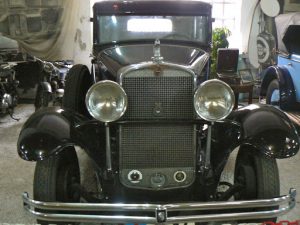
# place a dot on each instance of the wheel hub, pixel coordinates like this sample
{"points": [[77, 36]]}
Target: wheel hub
{"points": [[67, 182]]}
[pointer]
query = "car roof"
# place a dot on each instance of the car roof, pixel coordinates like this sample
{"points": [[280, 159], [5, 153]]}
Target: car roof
{"points": [[156, 7]]}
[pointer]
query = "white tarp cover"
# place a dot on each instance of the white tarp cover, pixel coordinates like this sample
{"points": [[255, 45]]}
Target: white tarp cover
{"points": [[283, 21], [249, 29], [51, 29]]}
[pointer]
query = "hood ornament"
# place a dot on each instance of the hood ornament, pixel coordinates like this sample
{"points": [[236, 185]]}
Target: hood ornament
{"points": [[156, 50]]}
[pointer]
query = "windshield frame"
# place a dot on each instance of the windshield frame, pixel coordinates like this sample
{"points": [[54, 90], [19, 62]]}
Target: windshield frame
{"points": [[150, 8], [199, 32]]}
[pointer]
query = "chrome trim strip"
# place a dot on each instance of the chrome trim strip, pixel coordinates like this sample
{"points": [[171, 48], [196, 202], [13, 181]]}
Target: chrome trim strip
{"points": [[208, 146], [108, 148], [89, 218], [200, 63], [127, 69], [230, 216], [29, 204], [94, 73]]}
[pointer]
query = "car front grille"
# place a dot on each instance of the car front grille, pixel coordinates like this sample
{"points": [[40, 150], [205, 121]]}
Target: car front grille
{"points": [[169, 96], [157, 149], [157, 146]]}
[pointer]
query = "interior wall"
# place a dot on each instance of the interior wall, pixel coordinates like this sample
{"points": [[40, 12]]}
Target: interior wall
{"points": [[72, 42], [83, 34], [291, 6], [67, 35]]}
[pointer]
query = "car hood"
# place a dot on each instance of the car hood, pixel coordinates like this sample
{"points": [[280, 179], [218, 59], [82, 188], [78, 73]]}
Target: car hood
{"points": [[118, 57]]}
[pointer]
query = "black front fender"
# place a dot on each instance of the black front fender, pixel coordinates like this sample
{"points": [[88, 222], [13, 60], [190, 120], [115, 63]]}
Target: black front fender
{"points": [[50, 130], [268, 129]]}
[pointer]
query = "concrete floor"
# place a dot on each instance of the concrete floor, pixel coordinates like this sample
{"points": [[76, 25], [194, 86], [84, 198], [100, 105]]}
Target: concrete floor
{"points": [[17, 175]]}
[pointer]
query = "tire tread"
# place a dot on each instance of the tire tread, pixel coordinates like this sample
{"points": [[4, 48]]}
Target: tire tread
{"points": [[45, 177], [267, 175]]}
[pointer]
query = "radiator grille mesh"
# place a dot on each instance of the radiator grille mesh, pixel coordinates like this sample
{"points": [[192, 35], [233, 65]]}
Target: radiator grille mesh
{"points": [[151, 97], [157, 146], [159, 97]]}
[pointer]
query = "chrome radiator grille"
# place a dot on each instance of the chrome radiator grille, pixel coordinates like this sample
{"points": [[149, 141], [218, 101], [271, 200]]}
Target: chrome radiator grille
{"points": [[157, 146], [156, 152], [168, 96]]}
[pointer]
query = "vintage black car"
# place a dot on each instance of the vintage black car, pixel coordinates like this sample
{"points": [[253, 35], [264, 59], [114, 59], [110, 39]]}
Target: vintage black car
{"points": [[158, 131]]}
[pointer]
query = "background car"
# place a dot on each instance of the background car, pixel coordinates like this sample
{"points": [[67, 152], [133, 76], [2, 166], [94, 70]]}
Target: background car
{"points": [[281, 83]]}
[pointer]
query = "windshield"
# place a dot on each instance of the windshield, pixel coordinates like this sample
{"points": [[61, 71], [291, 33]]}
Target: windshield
{"points": [[129, 28]]}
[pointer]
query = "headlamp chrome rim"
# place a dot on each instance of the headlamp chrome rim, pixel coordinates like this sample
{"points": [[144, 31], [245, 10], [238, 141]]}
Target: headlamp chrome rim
{"points": [[201, 86], [113, 84]]}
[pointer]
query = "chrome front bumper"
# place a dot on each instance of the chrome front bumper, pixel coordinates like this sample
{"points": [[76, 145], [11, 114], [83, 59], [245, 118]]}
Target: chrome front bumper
{"points": [[116, 213]]}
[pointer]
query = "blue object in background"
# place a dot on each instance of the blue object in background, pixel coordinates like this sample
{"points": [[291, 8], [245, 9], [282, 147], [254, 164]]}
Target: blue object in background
{"points": [[292, 64]]}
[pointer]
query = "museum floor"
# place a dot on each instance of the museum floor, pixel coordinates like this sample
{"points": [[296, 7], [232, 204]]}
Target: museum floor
{"points": [[17, 175]]}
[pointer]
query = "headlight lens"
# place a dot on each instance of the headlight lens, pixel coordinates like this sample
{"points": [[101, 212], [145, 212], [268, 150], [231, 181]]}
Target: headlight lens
{"points": [[213, 100], [106, 101]]}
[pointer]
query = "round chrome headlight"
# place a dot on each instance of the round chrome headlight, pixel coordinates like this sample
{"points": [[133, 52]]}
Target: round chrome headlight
{"points": [[213, 100], [106, 101]]}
